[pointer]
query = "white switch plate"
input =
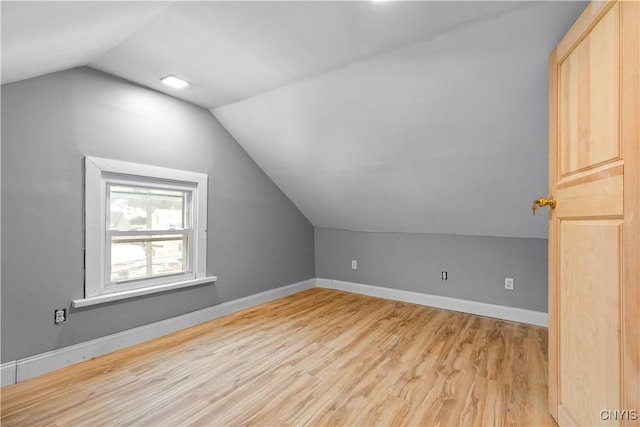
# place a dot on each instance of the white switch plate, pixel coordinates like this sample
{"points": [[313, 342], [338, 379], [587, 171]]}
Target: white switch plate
{"points": [[508, 283], [354, 264]]}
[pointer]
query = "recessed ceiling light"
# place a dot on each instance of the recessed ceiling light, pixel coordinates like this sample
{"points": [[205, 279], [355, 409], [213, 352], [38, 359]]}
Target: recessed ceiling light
{"points": [[174, 81]]}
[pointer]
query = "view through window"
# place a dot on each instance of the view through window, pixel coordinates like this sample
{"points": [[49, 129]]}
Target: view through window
{"points": [[149, 232]]}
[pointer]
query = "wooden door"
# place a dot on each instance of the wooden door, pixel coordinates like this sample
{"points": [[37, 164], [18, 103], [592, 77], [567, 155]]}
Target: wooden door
{"points": [[594, 240]]}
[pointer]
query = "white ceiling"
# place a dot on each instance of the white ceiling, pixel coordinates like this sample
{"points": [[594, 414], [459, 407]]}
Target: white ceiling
{"points": [[43, 37], [392, 116]]}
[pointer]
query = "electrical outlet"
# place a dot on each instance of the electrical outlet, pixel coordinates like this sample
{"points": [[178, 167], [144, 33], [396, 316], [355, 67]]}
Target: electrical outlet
{"points": [[354, 264], [59, 316], [508, 283], [444, 275]]}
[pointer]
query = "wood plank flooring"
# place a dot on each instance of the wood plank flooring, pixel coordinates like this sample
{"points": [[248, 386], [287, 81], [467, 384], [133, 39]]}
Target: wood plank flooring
{"points": [[320, 357]]}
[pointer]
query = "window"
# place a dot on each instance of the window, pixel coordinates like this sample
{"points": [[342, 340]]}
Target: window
{"points": [[145, 230], [148, 232]]}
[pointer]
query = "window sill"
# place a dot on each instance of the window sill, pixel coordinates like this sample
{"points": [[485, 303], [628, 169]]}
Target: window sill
{"points": [[116, 296]]}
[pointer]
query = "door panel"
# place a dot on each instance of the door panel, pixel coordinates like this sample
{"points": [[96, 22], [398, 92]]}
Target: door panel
{"points": [[589, 252], [594, 232], [589, 98]]}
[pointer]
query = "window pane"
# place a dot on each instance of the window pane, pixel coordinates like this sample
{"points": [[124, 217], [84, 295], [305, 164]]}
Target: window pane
{"points": [[140, 208], [139, 257]]}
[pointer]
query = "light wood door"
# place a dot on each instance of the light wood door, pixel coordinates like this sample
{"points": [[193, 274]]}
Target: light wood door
{"points": [[594, 244]]}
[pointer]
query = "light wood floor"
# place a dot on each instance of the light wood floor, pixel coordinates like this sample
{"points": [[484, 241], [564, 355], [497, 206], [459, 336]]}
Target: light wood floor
{"points": [[320, 357]]}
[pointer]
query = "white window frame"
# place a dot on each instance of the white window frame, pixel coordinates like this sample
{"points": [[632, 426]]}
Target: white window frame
{"points": [[99, 174]]}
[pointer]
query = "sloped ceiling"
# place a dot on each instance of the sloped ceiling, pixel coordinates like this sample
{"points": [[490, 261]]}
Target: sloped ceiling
{"points": [[43, 37], [392, 116]]}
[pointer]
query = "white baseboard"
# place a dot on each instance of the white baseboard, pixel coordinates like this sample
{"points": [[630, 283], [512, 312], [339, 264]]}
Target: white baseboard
{"points": [[29, 367], [8, 373], [503, 312], [266, 296]]}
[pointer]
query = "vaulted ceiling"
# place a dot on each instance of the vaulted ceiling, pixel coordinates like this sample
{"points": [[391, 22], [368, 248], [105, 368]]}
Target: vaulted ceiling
{"points": [[386, 116]]}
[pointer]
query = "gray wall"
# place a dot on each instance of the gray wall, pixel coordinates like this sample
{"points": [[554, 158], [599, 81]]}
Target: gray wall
{"points": [[257, 238], [477, 265]]}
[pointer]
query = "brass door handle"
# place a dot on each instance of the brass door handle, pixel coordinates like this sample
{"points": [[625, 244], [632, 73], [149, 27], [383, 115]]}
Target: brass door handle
{"points": [[542, 202]]}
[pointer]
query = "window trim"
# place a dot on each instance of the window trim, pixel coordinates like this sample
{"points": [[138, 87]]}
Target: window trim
{"points": [[98, 172]]}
